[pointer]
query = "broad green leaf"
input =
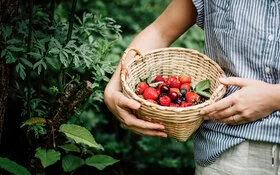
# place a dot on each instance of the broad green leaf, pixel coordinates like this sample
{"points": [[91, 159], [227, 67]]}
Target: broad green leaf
{"points": [[70, 163], [10, 58], [13, 167], [14, 41], [47, 157], [202, 85], [26, 62], [100, 161], [79, 134], [70, 147], [35, 54], [15, 49], [3, 53], [34, 120], [204, 93]]}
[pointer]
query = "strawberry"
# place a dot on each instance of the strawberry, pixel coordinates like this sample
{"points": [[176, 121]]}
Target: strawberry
{"points": [[159, 78], [192, 97], [185, 79], [141, 87], [175, 84], [186, 104], [150, 93], [175, 90], [170, 79], [186, 86], [164, 101], [152, 101]]}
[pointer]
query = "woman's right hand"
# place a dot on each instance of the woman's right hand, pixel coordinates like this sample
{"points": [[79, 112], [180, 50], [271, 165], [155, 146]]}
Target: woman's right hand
{"points": [[122, 107]]}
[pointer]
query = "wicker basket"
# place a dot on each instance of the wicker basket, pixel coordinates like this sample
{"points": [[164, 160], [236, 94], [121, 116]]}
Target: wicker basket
{"points": [[180, 123]]}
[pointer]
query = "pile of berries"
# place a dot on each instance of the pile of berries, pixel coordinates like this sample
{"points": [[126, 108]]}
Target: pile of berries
{"points": [[175, 91]]}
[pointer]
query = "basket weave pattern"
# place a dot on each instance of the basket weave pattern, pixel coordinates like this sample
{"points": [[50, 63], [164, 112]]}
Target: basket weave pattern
{"points": [[180, 123]]}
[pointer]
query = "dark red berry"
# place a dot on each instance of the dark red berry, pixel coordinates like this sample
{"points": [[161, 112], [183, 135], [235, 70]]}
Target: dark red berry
{"points": [[164, 89], [158, 78], [173, 96]]}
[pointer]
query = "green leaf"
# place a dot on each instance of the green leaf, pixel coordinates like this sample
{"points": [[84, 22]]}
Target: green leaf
{"points": [[13, 167], [35, 54], [204, 93], [79, 134], [202, 85], [70, 163], [15, 49], [26, 62], [14, 41], [70, 147], [3, 53], [47, 157], [34, 120], [100, 161]]}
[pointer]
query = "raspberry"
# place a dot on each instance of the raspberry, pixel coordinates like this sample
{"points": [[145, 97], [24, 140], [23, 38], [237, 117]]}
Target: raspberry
{"points": [[164, 101]]}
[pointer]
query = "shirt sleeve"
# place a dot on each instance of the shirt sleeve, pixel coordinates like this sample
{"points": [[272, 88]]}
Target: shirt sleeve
{"points": [[199, 5]]}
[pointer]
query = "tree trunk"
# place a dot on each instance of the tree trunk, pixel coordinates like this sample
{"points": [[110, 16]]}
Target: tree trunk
{"points": [[8, 9]]}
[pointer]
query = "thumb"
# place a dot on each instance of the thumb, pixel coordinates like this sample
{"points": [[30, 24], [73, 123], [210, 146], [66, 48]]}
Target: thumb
{"points": [[235, 81]]}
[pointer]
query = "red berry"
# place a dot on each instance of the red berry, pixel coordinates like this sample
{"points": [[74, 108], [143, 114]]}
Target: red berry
{"points": [[141, 88], [185, 104], [158, 78], [175, 84], [150, 93], [192, 97], [173, 96], [175, 90], [164, 89], [170, 79], [185, 79], [186, 86], [164, 101]]}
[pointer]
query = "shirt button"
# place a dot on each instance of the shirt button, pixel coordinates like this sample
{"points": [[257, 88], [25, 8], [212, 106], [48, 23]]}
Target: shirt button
{"points": [[267, 70], [270, 37]]}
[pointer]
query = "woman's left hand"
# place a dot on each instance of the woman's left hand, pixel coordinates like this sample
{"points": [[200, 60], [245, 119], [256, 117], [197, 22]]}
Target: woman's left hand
{"points": [[256, 99]]}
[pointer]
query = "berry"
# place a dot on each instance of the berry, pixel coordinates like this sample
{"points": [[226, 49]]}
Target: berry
{"points": [[186, 86], [150, 93], [175, 84], [185, 79], [164, 89], [175, 90], [173, 96], [179, 101], [192, 97], [158, 78], [185, 104], [141, 87], [164, 101], [183, 91], [170, 80]]}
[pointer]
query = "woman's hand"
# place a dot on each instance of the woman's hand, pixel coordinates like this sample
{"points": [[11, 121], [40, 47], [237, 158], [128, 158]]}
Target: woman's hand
{"points": [[122, 107], [255, 100]]}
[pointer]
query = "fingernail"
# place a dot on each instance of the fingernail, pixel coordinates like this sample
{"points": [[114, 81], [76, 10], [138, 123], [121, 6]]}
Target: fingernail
{"points": [[137, 105], [222, 79]]}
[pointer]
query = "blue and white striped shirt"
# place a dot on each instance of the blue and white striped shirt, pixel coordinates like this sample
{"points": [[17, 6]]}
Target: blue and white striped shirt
{"points": [[243, 37]]}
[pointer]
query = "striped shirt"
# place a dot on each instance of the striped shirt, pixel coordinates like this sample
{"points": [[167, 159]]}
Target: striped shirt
{"points": [[243, 37]]}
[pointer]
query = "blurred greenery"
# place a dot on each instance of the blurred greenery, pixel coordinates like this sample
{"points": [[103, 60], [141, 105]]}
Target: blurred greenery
{"points": [[137, 154]]}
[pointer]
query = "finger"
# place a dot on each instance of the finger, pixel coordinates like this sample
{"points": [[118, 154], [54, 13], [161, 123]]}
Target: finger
{"points": [[232, 120], [225, 113], [215, 107], [148, 132], [132, 121], [125, 102], [235, 81]]}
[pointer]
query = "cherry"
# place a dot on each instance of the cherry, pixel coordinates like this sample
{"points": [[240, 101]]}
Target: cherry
{"points": [[173, 96], [164, 89]]}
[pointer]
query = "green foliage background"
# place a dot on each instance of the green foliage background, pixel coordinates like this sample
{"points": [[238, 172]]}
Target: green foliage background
{"points": [[97, 50]]}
